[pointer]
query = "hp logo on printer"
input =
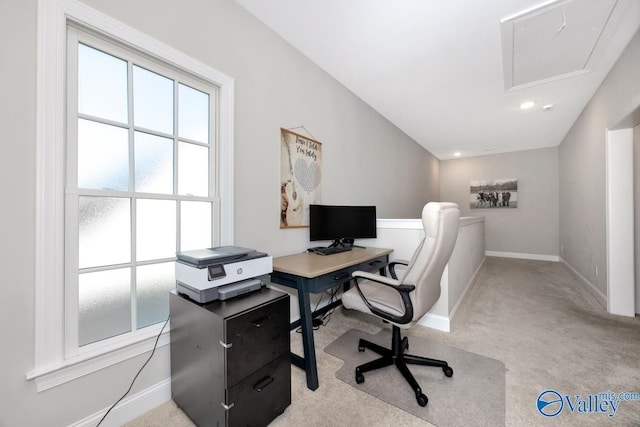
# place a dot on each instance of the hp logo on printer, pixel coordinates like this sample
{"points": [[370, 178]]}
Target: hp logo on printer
{"points": [[239, 271]]}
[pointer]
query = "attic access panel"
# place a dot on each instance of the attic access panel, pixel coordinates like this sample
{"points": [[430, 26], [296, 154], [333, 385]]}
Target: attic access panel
{"points": [[553, 41]]}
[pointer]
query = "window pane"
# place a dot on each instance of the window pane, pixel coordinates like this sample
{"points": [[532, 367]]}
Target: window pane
{"points": [[154, 163], [104, 231], [103, 156], [156, 229], [102, 85], [195, 225], [153, 285], [193, 169], [104, 304], [152, 101], [193, 114]]}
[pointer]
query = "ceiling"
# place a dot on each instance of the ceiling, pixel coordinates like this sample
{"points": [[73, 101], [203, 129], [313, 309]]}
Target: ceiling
{"points": [[453, 74]]}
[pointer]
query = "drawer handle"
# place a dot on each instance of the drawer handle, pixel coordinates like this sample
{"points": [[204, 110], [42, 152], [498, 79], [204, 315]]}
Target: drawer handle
{"points": [[374, 263], [341, 277], [259, 322], [263, 383]]}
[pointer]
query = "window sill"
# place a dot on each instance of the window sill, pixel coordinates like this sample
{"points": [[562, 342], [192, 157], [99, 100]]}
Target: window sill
{"points": [[53, 374]]}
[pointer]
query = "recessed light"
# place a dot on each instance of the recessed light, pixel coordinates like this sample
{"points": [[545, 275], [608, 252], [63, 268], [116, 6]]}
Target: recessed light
{"points": [[457, 154], [526, 105], [548, 107]]}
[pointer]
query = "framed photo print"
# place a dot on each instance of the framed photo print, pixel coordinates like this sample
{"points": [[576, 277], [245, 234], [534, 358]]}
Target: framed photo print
{"points": [[498, 194]]}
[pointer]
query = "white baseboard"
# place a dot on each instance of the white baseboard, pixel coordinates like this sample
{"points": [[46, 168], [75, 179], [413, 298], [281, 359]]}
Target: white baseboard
{"points": [[597, 293], [519, 255], [435, 321], [131, 407]]}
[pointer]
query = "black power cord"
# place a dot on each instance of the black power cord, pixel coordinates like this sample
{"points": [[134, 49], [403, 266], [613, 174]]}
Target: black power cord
{"points": [[324, 319], [139, 371]]}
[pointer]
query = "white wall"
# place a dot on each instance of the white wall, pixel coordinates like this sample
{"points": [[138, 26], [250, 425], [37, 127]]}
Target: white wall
{"points": [[583, 172], [465, 260], [636, 205], [365, 160], [620, 219], [532, 227]]}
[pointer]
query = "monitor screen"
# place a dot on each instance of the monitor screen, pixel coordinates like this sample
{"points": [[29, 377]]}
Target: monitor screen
{"points": [[339, 223]]}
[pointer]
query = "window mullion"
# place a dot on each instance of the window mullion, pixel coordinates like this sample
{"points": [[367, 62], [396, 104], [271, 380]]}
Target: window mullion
{"points": [[72, 278], [102, 120], [214, 192], [71, 200], [134, 307], [175, 162]]}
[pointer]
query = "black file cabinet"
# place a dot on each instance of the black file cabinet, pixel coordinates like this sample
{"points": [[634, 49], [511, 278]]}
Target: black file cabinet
{"points": [[230, 363]]}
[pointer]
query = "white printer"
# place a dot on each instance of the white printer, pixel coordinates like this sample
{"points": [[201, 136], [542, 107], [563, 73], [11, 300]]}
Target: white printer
{"points": [[222, 272]]}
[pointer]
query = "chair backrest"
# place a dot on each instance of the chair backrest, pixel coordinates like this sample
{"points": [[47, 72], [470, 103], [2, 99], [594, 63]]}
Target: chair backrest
{"points": [[440, 222]]}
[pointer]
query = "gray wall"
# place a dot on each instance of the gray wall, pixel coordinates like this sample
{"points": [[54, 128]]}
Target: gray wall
{"points": [[365, 160], [583, 172], [532, 227]]}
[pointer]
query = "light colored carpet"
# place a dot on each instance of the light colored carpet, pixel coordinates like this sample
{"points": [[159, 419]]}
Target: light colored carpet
{"points": [[531, 315], [476, 390]]}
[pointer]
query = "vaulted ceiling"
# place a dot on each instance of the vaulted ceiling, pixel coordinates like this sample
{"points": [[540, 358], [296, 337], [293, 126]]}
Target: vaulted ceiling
{"points": [[452, 74]]}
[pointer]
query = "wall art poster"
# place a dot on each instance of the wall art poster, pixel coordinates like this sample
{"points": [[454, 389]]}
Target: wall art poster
{"points": [[499, 193], [300, 178]]}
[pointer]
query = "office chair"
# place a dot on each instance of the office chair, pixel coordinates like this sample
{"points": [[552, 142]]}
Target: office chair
{"points": [[403, 301]]}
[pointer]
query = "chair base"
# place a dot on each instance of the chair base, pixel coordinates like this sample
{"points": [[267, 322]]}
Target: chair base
{"points": [[396, 356]]}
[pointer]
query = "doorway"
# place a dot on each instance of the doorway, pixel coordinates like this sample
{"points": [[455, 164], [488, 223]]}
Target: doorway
{"points": [[623, 212]]}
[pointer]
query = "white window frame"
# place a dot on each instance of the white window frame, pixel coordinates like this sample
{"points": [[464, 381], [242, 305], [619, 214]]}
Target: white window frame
{"points": [[52, 367]]}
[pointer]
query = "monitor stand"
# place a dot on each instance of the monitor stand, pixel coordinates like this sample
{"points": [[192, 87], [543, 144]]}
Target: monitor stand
{"points": [[344, 243]]}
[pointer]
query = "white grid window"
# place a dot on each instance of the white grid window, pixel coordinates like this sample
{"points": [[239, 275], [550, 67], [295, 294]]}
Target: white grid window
{"points": [[139, 186], [121, 185]]}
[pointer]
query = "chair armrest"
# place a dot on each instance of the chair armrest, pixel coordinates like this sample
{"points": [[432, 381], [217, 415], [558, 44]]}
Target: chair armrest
{"points": [[392, 266], [403, 290]]}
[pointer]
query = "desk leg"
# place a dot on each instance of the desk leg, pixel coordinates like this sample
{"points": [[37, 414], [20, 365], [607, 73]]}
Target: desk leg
{"points": [[306, 318]]}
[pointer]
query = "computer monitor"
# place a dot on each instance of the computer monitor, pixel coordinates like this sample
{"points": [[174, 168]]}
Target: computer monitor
{"points": [[342, 224]]}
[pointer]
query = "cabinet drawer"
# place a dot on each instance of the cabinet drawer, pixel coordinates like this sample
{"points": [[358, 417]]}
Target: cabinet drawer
{"points": [[261, 397], [331, 280], [256, 337], [374, 265]]}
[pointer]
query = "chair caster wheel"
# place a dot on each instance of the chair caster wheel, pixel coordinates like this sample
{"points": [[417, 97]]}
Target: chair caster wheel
{"points": [[422, 399], [448, 371], [359, 378], [361, 349]]}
